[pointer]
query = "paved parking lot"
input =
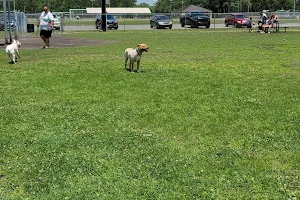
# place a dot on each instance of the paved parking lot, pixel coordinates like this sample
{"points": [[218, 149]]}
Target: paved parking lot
{"points": [[147, 27]]}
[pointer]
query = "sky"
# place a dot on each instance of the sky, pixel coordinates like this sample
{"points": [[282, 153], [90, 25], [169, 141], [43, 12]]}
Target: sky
{"points": [[150, 2]]}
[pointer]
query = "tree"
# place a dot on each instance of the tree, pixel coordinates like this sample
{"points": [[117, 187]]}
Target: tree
{"points": [[122, 3], [162, 6], [143, 5]]}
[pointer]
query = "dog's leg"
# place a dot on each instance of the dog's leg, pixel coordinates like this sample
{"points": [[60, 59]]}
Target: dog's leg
{"points": [[9, 57], [138, 66], [126, 60], [14, 58], [18, 53], [131, 66]]}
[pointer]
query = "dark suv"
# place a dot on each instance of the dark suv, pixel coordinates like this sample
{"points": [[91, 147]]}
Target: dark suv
{"points": [[238, 20], [112, 22], [194, 19]]}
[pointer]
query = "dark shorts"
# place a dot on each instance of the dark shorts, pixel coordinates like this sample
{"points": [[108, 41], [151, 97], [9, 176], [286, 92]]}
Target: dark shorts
{"points": [[45, 34]]}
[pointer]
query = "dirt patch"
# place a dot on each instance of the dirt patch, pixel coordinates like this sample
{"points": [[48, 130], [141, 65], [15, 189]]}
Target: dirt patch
{"points": [[31, 41]]}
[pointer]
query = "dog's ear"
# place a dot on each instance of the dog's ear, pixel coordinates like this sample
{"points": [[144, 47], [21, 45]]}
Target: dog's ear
{"points": [[139, 45]]}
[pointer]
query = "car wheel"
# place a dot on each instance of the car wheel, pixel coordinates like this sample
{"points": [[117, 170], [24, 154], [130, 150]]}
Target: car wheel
{"points": [[207, 26], [116, 27], [151, 26], [235, 25], [226, 24], [182, 24], [170, 27]]}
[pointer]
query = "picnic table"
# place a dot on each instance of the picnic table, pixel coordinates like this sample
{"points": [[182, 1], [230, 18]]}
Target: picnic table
{"points": [[275, 28]]}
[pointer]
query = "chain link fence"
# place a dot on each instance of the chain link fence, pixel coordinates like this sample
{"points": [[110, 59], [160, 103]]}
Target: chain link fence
{"points": [[13, 24], [81, 21]]}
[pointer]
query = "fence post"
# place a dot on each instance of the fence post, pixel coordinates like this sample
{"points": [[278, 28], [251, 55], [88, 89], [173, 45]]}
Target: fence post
{"points": [[214, 21], [124, 21], [62, 23]]}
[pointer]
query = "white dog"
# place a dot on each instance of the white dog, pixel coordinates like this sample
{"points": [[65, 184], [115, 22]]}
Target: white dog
{"points": [[12, 50], [134, 55]]}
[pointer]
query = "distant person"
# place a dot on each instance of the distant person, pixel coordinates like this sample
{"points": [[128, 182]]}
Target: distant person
{"points": [[45, 23], [275, 18], [263, 17], [260, 26], [250, 25]]}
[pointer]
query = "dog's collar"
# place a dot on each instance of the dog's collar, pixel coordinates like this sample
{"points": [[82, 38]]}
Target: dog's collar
{"points": [[137, 50]]}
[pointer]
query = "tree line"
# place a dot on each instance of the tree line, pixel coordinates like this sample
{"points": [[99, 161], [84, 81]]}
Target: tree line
{"points": [[161, 6]]}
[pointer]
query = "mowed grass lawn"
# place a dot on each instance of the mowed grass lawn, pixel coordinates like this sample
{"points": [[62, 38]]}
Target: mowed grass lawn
{"points": [[213, 115]]}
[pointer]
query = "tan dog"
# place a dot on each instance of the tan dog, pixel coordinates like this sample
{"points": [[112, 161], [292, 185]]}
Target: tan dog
{"points": [[134, 55]]}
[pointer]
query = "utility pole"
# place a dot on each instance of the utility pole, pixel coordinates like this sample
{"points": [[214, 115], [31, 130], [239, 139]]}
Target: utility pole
{"points": [[103, 7]]}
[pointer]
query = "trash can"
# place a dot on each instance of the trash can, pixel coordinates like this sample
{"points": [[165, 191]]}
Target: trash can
{"points": [[30, 28]]}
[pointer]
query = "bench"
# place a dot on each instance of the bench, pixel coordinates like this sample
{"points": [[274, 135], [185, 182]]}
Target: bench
{"points": [[285, 27], [275, 28]]}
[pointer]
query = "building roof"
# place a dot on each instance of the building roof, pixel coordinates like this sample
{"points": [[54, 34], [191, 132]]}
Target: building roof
{"points": [[193, 8], [119, 10]]}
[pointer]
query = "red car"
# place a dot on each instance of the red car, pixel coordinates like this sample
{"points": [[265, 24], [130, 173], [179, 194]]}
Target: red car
{"points": [[238, 20]]}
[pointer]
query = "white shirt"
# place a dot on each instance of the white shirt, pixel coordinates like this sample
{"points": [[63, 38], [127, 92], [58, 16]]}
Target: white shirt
{"points": [[45, 20]]}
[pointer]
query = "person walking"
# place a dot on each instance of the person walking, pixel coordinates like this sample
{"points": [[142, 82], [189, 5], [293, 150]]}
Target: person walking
{"points": [[45, 23]]}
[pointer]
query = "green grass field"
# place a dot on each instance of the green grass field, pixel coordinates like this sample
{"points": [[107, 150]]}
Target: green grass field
{"points": [[214, 115]]}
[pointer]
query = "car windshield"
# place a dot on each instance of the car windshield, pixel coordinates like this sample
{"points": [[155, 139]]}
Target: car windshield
{"points": [[109, 17], [162, 18], [197, 14], [240, 16]]}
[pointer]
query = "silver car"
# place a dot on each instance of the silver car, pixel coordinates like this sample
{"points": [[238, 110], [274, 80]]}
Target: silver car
{"points": [[111, 21], [56, 23], [161, 21]]}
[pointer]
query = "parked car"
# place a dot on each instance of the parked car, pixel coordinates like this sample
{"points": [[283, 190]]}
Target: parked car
{"points": [[56, 23], [161, 21], [112, 22], [238, 20], [194, 19], [13, 25]]}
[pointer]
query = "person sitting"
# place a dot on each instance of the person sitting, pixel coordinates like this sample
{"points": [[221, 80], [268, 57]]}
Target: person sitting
{"points": [[263, 17], [275, 20], [269, 22], [260, 26]]}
